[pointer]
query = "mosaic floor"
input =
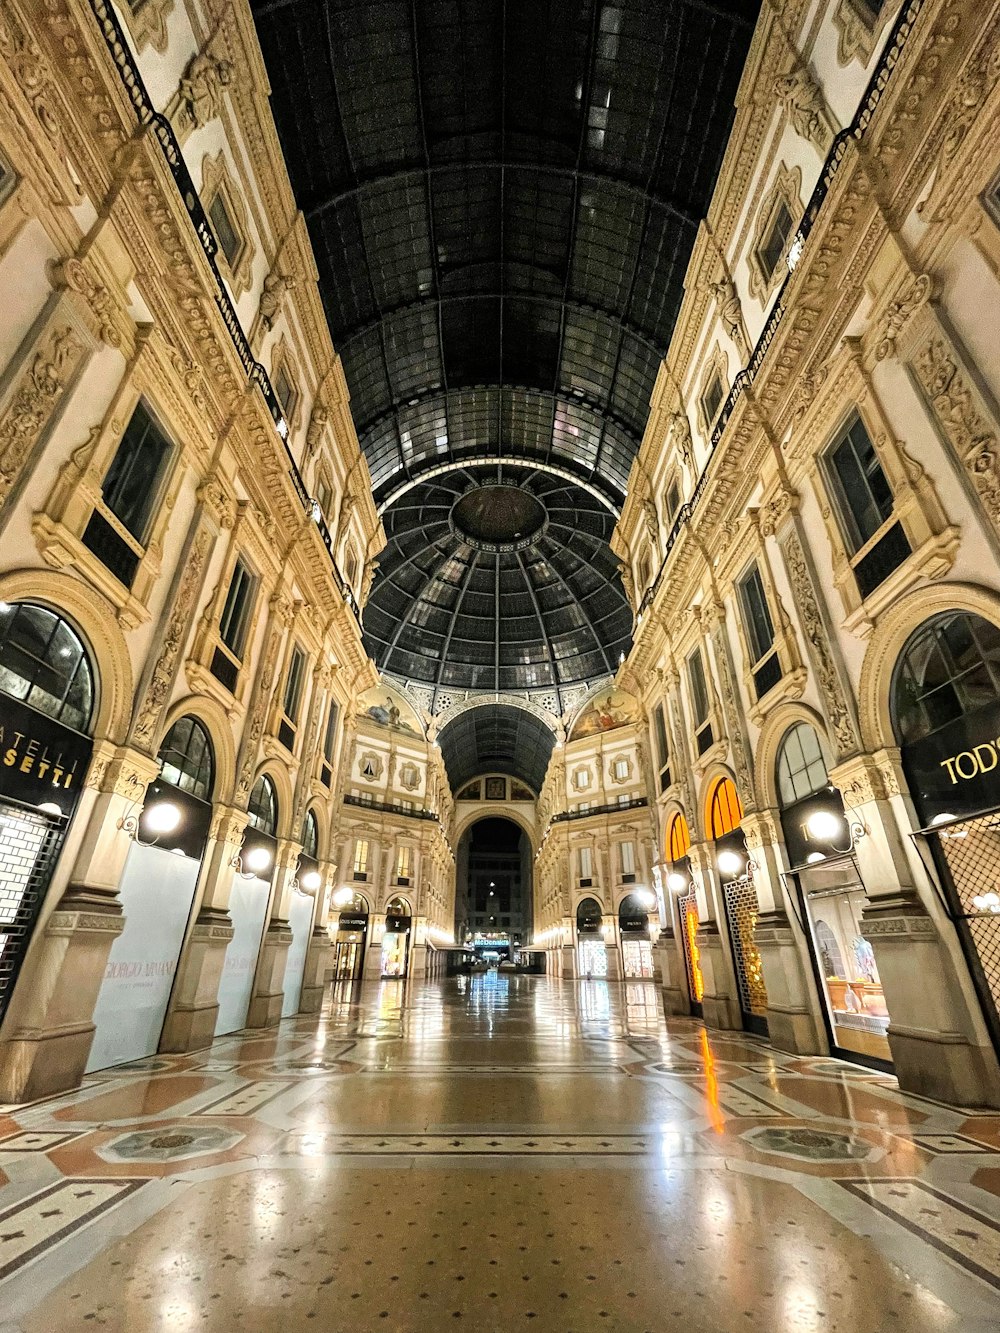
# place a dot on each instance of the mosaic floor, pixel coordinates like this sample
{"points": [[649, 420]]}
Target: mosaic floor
{"points": [[497, 1153]]}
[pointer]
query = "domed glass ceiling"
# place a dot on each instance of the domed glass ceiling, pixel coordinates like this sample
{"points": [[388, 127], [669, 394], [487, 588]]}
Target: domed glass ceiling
{"points": [[502, 200], [468, 542]]}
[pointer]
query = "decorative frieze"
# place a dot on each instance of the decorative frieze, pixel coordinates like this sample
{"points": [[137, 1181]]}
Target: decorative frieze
{"points": [[34, 399], [818, 642], [961, 418]]}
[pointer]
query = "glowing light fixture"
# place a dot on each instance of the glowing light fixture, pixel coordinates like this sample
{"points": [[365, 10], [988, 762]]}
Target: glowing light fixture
{"points": [[824, 824], [677, 881], [163, 817], [49, 808], [311, 880], [813, 857], [257, 859], [343, 897], [730, 863]]}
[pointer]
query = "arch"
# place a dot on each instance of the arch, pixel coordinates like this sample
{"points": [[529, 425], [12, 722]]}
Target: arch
{"points": [[47, 664], [958, 672], [678, 841], [496, 810], [723, 807], [281, 811], [93, 618], [188, 758], [585, 898], [890, 638], [319, 812], [403, 901], [310, 835], [604, 709], [214, 719], [775, 727]]}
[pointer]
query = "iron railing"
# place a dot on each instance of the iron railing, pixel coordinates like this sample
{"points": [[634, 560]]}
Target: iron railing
{"points": [[612, 807], [838, 150], [389, 807]]}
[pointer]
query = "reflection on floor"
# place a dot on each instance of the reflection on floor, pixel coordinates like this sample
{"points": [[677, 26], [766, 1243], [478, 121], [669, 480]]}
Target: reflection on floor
{"points": [[503, 1152]]}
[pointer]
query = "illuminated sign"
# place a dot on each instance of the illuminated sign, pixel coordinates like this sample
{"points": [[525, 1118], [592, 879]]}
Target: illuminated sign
{"points": [[956, 769], [40, 760]]}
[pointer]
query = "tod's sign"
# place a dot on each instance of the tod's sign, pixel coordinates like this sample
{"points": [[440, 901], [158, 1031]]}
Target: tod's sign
{"points": [[956, 770]]}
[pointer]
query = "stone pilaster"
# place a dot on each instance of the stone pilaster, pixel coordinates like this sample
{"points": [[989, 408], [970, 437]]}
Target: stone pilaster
{"points": [[718, 1006], [793, 1019], [52, 1027], [269, 981]]}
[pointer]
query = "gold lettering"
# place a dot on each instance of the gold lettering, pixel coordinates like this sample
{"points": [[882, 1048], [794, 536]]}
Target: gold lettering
{"points": [[984, 767], [949, 764], [27, 763], [10, 758], [967, 754]]}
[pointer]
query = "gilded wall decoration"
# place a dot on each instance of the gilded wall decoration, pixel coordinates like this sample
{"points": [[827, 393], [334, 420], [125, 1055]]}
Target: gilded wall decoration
{"points": [[157, 691], [33, 401], [963, 422], [841, 721]]}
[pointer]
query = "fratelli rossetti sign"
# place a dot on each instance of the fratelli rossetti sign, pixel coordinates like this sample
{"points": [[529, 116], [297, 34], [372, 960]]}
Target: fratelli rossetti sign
{"points": [[40, 760]]}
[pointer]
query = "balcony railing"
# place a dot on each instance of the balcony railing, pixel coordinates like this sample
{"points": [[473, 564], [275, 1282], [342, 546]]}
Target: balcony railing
{"points": [[855, 131], [389, 808], [614, 807], [114, 38]]}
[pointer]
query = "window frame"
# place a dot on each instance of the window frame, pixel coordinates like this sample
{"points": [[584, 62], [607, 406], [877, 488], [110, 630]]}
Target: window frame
{"points": [[250, 586], [196, 728], [83, 661], [700, 698]]}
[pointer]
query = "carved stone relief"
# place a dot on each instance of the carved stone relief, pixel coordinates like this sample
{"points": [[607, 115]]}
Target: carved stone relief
{"points": [[33, 401], [844, 731]]}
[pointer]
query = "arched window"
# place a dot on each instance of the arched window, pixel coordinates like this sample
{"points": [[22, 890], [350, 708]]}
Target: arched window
{"points": [[263, 808], [310, 836], [44, 664], [949, 667], [398, 907], [725, 811], [678, 838], [801, 768], [589, 910], [186, 753]]}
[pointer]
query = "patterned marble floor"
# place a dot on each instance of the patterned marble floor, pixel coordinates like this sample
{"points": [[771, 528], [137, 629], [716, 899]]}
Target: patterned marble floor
{"points": [[497, 1152]]}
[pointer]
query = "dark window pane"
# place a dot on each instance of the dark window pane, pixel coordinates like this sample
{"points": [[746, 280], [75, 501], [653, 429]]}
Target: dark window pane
{"points": [[863, 491], [756, 616], [43, 663], [186, 753], [949, 668], [131, 486], [237, 610], [772, 247], [699, 692], [293, 685], [225, 231]]}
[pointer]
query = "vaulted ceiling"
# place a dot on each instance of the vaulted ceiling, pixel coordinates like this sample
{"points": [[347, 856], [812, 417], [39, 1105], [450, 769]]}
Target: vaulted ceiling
{"points": [[502, 197], [496, 738]]}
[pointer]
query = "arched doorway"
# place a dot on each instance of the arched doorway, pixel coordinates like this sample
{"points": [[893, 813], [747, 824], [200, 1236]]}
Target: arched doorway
{"points": [[396, 938], [493, 911], [591, 951], [831, 891], [351, 934], [680, 884], [724, 814], [47, 691], [157, 891], [945, 708], [633, 930]]}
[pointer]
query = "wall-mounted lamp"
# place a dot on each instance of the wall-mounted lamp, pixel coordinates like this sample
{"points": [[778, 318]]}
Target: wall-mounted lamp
{"points": [[646, 898], [309, 882], [160, 818], [677, 881], [343, 898], [828, 826], [730, 862]]}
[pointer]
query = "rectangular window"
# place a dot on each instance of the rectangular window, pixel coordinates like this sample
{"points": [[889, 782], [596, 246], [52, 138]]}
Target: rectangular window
{"points": [[699, 701], [628, 857], [712, 399], [673, 501], [6, 178], [323, 495], [756, 617], [238, 610], [620, 769], [586, 864], [660, 733], [293, 684], [224, 228], [361, 857], [403, 858], [771, 250], [330, 736], [284, 390], [864, 501], [131, 487], [864, 496]]}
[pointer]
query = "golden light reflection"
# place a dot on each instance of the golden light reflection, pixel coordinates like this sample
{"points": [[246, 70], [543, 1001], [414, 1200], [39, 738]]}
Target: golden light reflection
{"points": [[715, 1116], [694, 953]]}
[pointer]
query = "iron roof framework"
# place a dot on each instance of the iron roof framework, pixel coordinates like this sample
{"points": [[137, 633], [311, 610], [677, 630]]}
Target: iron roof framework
{"points": [[496, 738], [502, 197]]}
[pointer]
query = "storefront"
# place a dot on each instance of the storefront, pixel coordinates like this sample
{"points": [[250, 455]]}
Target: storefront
{"points": [[725, 813], [826, 883], [591, 951], [157, 891], [633, 931], [396, 938], [46, 701], [680, 884], [946, 717], [248, 903], [351, 935]]}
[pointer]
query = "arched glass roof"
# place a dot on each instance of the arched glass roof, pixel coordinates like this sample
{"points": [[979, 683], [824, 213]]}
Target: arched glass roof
{"points": [[502, 199], [496, 738]]}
